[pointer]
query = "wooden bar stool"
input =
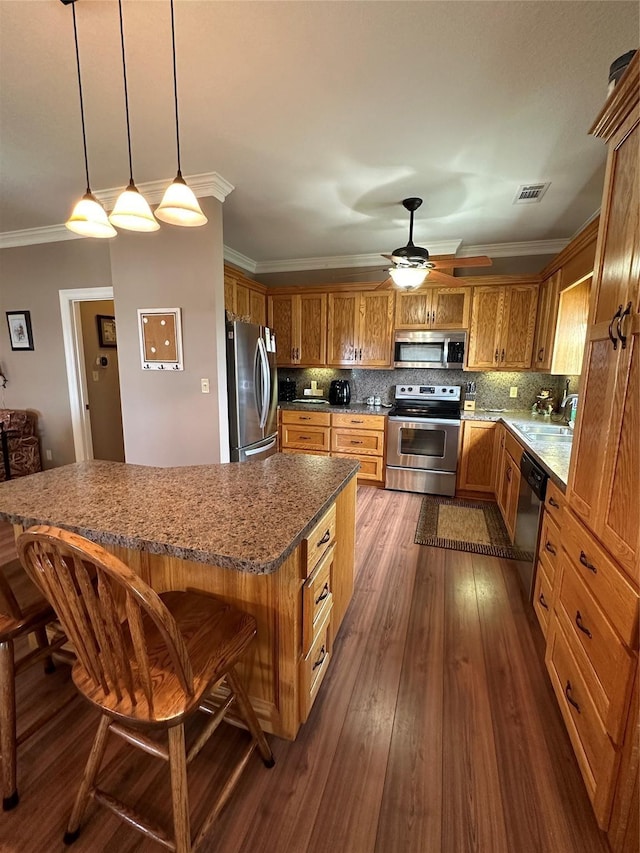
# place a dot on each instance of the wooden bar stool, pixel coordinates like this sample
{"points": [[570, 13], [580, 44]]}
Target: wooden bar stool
{"points": [[23, 611], [146, 672]]}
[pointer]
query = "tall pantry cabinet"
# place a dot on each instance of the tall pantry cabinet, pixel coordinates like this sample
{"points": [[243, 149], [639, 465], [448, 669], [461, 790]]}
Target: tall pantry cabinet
{"points": [[604, 486]]}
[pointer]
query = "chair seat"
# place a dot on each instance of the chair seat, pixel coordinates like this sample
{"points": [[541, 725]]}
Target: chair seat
{"points": [[215, 635], [35, 609]]}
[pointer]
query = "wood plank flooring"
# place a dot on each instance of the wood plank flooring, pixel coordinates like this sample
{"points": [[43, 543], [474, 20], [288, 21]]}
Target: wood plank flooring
{"points": [[435, 731]]}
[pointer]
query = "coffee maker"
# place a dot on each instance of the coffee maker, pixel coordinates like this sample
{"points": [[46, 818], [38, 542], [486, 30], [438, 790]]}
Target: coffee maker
{"points": [[339, 392]]}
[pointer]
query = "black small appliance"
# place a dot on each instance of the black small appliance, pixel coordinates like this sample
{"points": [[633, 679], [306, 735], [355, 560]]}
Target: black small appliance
{"points": [[287, 390], [339, 392]]}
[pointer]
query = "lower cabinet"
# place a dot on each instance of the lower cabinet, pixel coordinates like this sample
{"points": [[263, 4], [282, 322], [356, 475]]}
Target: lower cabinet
{"points": [[479, 451], [508, 487], [349, 435]]}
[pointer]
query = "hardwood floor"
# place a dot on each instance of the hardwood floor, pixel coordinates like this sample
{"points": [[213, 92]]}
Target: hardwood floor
{"points": [[435, 731]]}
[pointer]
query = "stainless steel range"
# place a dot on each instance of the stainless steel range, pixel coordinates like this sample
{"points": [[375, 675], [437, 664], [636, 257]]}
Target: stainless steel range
{"points": [[422, 443]]}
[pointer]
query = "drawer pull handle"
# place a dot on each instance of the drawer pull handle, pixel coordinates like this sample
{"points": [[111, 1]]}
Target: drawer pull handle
{"points": [[581, 626], [353, 441], [325, 538], [549, 547], [554, 503], [586, 563], [567, 693], [305, 438], [356, 422], [542, 601], [320, 661], [324, 594], [304, 417]]}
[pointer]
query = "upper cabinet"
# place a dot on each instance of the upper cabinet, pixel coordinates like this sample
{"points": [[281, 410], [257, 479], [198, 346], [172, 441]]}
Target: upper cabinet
{"points": [[360, 332], [300, 323], [243, 298], [433, 308], [502, 330], [563, 306]]}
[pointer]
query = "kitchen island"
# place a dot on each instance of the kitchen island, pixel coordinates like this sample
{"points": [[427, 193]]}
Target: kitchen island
{"points": [[261, 535]]}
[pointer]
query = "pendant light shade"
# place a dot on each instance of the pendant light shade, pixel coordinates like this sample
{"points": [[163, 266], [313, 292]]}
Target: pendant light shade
{"points": [[132, 212], [408, 277], [179, 205], [89, 218]]}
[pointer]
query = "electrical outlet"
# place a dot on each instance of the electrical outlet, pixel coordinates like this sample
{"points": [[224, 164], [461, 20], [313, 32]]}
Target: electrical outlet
{"points": [[96, 375], [204, 386], [513, 391]]}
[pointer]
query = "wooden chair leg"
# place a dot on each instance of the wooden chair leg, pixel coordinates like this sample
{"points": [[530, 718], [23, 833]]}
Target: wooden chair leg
{"points": [[8, 726], [43, 642], [246, 709], [179, 791], [90, 772]]}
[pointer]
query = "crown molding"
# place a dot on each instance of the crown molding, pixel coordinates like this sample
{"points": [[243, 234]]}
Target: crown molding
{"points": [[515, 250], [239, 260], [203, 185]]}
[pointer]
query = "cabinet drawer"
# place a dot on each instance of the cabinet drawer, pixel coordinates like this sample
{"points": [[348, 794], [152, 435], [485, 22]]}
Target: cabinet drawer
{"points": [[360, 441], [306, 451], [550, 543], [513, 447], [302, 437], [303, 417], [319, 539], [601, 576], [594, 751], [358, 421], [313, 667], [605, 662], [555, 501], [316, 599], [543, 598], [371, 467]]}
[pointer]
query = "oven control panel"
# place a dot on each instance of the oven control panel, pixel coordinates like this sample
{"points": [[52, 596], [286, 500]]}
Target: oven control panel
{"points": [[427, 392]]}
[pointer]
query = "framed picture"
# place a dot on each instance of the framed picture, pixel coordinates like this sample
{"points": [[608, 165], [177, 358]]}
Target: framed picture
{"points": [[160, 338], [20, 333], [106, 330]]}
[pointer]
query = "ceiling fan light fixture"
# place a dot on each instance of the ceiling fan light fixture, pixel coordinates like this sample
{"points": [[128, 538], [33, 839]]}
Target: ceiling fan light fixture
{"points": [[179, 205], [132, 212], [89, 218], [408, 277]]}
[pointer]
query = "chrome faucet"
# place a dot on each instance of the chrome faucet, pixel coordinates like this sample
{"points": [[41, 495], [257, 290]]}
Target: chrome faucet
{"points": [[569, 404]]}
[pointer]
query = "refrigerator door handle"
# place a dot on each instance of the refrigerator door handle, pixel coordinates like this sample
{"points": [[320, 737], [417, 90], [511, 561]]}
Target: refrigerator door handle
{"points": [[266, 382], [262, 449]]}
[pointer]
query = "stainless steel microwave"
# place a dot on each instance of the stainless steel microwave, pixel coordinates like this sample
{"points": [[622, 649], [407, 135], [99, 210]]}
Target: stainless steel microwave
{"points": [[429, 349]]}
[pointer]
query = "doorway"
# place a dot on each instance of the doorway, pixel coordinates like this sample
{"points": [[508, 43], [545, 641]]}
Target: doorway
{"points": [[91, 356]]}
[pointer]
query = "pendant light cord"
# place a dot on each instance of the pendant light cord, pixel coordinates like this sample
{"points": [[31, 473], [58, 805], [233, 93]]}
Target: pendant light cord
{"points": [[84, 135], [126, 94], [175, 85]]}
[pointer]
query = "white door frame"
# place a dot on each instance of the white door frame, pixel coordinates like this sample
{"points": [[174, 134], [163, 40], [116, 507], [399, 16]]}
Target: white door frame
{"points": [[74, 357]]}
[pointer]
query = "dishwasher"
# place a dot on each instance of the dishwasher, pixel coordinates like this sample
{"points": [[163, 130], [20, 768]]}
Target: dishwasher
{"points": [[533, 487]]}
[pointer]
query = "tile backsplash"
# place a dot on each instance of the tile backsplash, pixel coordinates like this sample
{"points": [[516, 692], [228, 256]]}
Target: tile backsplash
{"points": [[492, 388]]}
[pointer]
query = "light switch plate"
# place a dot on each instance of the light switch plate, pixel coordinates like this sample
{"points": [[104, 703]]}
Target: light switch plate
{"points": [[513, 391], [204, 386]]}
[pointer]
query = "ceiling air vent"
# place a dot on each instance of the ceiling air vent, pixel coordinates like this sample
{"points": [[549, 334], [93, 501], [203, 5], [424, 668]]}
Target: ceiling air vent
{"points": [[531, 193]]}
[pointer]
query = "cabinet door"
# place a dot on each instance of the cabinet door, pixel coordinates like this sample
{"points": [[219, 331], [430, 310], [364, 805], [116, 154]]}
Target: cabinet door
{"points": [[375, 329], [243, 301], [573, 313], [486, 324], [450, 307], [312, 310], [342, 334], [258, 308], [512, 474], [548, 299], [281, 320], [413, 310], [518, 326], [229, 293], [477, 463]]}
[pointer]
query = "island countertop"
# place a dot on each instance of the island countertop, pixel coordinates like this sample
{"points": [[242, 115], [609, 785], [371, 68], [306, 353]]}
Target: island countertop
{"points": [[245, 516]]}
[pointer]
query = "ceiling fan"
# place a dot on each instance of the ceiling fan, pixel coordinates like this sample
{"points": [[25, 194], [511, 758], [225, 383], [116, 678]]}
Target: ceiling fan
{"points": [[412, 264]]}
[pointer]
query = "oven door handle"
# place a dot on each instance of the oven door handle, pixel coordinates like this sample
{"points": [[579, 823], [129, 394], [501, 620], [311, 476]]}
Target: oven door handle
{"points": [[424, 422]]}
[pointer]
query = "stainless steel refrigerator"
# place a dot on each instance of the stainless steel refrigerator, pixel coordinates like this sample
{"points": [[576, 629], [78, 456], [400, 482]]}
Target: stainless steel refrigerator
{"points": [[252, 383]]}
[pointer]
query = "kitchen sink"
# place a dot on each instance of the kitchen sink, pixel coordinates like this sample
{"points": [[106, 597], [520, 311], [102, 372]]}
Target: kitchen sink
{"points": [[546, 432]]}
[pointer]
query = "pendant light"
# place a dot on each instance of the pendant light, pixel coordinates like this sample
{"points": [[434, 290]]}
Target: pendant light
{"points": [[408, 277], [131, 211], [179, 205], [88, 218]]}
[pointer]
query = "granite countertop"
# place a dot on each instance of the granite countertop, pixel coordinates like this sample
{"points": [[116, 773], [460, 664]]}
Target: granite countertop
{"points": [[245, 516], [554, 456], [351, 408]]}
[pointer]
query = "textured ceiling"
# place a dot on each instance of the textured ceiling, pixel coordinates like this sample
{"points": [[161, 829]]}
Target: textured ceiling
{"points": [[323, 115]]}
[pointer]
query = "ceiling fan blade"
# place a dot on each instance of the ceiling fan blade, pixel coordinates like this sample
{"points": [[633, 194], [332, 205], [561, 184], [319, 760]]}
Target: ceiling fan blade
{"points": [[388, 257], [437, 277], [387, 284], [458, 263]]}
